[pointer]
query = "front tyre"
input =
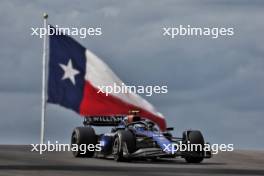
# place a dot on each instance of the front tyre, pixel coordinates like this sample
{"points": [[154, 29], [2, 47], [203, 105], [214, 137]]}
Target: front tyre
{"points": [[124, 139], [194, 137], [83, 136]]}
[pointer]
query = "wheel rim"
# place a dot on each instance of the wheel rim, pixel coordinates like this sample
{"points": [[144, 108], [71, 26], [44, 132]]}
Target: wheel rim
{"points": [[115, 148], [74, 138], [74, 141]]}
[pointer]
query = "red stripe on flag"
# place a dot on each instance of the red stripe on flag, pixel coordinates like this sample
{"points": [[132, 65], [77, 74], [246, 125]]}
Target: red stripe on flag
{"points": [[94, 103]]}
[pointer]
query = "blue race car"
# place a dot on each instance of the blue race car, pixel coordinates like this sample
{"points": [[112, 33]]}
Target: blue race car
{"points": [[137, 138]]}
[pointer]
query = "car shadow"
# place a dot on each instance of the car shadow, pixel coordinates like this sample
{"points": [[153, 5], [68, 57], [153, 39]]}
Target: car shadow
{"points": [[165, 161]]}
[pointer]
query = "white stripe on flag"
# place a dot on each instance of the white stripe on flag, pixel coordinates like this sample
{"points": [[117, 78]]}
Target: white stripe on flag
{"points": [[99, 74]]}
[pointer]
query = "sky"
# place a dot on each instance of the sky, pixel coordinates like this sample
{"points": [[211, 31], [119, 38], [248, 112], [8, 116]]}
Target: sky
{"points": [[214, 85]]}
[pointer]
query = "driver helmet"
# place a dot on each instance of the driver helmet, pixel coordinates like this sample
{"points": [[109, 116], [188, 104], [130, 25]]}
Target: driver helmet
{"points": [[140, 126]]}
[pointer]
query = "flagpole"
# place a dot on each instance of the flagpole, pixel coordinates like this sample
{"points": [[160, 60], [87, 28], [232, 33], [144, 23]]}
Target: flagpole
{"points": [[43, 105]]}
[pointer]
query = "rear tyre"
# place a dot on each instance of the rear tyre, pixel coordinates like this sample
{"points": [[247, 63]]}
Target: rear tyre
{"points": [[124, 139], [83, 136], [194, 137]]}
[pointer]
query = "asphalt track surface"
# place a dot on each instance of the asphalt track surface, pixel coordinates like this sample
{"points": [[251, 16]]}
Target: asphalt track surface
{"points": [[18, 160]]}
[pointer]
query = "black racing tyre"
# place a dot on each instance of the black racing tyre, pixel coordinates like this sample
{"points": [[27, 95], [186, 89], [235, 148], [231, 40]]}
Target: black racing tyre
{"points": [[83, 136], [194, 137], [123, 138]]}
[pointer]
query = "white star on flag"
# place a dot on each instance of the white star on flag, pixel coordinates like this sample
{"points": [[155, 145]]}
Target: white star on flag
{"points": [[69, 72]]}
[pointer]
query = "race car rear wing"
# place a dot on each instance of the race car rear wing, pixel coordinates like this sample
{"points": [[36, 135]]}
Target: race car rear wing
{"points": [[103, 120]]}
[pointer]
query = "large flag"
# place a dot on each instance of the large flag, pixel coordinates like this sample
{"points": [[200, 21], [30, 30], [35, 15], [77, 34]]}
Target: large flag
{"points": [[75, 75]]}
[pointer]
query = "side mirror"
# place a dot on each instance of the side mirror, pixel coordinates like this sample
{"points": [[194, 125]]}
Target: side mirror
{"points": [[170, 129]]}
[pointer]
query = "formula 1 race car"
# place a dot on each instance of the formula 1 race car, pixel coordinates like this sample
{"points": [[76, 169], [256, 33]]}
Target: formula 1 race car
{"points": [[136, 138]]}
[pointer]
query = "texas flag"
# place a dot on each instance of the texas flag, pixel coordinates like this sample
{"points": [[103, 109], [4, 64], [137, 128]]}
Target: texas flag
{"points": [[75, 76]]}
